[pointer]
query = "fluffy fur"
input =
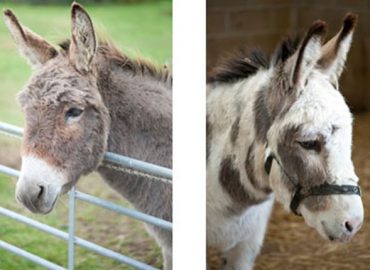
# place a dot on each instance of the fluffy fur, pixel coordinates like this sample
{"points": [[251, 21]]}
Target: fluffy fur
{"points": [[274, 108], [126, 108]]}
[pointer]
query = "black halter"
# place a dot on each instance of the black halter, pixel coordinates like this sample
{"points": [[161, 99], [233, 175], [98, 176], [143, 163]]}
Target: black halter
{"points": [[321, 190]]}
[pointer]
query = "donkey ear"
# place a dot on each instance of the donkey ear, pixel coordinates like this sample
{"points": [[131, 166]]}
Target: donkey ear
{"points": [[83, 45], [33, 47], [304, 60], [335, 50]]}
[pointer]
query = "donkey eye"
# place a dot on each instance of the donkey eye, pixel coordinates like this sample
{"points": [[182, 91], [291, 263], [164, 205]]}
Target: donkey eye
{"points": [[310, 145], [73, 113]]}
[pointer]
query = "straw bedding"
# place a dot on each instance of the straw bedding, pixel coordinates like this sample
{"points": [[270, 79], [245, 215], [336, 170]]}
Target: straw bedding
{"points": [[291, 244]]}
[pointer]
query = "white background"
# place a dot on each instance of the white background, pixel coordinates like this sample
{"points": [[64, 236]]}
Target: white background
{"points": [[189, 67]]}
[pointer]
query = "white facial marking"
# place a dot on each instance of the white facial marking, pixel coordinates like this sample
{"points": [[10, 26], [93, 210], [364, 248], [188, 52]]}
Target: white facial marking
{"points": [[36, 168]]}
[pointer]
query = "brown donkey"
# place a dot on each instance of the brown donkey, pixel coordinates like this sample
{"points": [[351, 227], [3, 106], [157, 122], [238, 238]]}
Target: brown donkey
{"points": [[83, 100]]}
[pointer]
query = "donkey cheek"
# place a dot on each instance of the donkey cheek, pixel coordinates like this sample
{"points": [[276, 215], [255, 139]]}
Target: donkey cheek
{"points": [[71, 133], [317, 203]]}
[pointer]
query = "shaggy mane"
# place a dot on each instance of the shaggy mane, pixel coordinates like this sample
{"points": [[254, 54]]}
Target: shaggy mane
{"points": [[243, 64], [138, 66]]}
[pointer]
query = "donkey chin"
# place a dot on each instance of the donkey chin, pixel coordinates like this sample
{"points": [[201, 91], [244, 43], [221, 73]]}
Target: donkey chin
{"points": [[39, 185], [340, 221]]}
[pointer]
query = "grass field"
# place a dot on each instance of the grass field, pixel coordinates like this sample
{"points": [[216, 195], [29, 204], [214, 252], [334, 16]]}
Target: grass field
{"points": [[140, 29]]}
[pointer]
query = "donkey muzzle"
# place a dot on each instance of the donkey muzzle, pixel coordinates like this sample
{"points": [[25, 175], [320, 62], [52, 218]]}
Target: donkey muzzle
{"points": [[39, 185], [38, 198]]}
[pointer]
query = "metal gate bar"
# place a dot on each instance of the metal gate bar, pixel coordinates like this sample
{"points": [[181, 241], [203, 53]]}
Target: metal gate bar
{"points": [[29, 256], [71, 229], [164, 224], [138, 165], [12, 130], [78, 241], [125, 211], [123, 161]]}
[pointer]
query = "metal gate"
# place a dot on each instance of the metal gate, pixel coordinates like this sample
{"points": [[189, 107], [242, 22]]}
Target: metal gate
{"points": [[128, 164]]}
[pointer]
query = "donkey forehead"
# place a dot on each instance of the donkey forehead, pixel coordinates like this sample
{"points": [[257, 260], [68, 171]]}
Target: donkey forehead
{"points": [[60, 72], [55, 83], [319, 105]]}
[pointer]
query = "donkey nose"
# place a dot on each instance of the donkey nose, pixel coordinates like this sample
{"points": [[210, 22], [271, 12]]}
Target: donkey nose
{"points": [[34, 192], [41, 191], [31, 195], [351, 226]]}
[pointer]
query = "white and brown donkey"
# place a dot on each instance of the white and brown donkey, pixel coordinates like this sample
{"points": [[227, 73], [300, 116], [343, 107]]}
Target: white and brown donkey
{"points": [[280, 128], [83, 100]]}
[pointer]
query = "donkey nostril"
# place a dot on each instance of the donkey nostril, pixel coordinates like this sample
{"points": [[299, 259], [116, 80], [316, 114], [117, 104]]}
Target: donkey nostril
{"points": [[41, 192], [348, 226]]}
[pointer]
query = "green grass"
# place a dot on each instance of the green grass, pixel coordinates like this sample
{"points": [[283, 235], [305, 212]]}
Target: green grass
{"points": [[140, 29]]}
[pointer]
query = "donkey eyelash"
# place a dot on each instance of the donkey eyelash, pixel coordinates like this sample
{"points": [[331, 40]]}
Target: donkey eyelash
{"points": [[310, 145], [73, 114]]}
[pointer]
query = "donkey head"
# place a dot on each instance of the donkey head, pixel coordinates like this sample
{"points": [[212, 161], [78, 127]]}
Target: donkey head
{"points": [[66, 120], [311, 133]]}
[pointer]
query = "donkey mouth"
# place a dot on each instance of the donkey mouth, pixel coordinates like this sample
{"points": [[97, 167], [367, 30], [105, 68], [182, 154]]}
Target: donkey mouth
{"points": [[46, 211], [340, 238], [37, 207]]}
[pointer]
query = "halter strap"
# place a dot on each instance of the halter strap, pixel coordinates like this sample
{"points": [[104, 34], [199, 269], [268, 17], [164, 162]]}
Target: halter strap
{"points": [[321, 190]]}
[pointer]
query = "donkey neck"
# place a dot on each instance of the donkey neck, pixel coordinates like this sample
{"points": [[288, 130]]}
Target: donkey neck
{"points": [[233, 118], [140, 109], [256, 121]]}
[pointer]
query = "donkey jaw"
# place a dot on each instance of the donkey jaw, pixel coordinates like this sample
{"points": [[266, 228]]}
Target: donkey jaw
{"points": [[39, 185]]}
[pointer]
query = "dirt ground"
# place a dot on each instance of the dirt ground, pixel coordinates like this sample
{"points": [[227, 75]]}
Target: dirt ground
{"points": [[291, 244]]}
